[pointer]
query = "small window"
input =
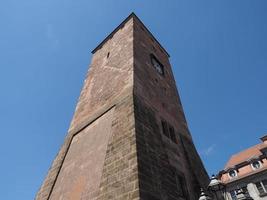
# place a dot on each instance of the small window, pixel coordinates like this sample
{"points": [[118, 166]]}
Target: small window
{"points": [[157, 65], [262, 187], [108, 55], [181, 186], [172, 134], [165, 128], [245, 190], [233, 193], [232, 173], [168, 131], [256, 165]]}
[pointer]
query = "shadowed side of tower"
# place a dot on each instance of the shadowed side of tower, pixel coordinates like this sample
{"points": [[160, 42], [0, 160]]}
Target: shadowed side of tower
{"points": [[169, 166], [128, 138]]}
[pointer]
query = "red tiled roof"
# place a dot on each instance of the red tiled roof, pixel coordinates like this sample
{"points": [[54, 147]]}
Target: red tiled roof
{"points": [[245, 155]]}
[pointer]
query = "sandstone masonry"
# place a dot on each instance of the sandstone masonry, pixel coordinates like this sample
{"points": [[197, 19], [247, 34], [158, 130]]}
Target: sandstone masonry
{"points": [[128, 138]]}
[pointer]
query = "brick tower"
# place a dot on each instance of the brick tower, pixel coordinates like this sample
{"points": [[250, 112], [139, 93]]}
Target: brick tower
{"points": [[128, 138]]}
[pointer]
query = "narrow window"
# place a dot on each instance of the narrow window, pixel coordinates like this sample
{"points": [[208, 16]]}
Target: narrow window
{"points": [[108, 55], [181, 186], [165, 128], [172, 134], [233, 195], [264, 183], [245, 190], [262, 187]]}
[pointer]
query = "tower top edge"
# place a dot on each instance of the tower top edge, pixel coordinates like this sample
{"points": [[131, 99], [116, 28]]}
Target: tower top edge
{"points": [[132, 15]]}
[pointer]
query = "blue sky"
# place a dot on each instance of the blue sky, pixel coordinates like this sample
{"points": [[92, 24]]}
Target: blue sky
{"points": [[218, 52]]}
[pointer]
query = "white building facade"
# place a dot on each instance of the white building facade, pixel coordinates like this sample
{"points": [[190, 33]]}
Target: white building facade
{"points": [[246, 170]]}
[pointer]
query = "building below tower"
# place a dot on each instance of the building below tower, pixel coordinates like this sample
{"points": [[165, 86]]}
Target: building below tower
{"points": [[246, 170]]}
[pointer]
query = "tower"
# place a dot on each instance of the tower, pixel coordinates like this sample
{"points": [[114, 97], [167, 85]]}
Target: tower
{"points": [[128, 138]]}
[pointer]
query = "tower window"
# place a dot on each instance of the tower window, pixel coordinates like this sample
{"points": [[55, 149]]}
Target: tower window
{"points": [[165, 128], [172, 134], [157, 65], [168, 131], [181, 186], [108, 55]]}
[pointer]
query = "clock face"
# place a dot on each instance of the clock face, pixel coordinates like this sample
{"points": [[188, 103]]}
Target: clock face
{"points": [[157, 66]]}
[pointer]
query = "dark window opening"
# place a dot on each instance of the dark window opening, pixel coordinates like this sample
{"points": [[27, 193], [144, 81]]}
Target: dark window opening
{"points": [[233, 193], [256, 164], [245, 190], [181, 186], [165, 128], [168, 131], [108, 55], [232, 173], [262, 187], [157, 65], [172, 134]]}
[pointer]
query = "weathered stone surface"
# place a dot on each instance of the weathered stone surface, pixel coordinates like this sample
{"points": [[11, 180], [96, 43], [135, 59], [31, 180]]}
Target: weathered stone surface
{"points": [[83, 164], [157, 99], [115, 147]]}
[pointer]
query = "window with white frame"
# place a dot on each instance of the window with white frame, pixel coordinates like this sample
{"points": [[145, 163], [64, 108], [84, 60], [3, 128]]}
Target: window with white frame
{"points": [[232, 173], [233, 193], [262, 186], [256, 165]]}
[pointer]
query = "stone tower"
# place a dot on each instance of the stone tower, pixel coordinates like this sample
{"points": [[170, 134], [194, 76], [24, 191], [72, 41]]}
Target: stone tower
{"points": [[128, 138]]}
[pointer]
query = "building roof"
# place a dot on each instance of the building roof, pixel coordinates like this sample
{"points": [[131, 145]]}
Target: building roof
{"points": [[132, 15], [246, 155]]}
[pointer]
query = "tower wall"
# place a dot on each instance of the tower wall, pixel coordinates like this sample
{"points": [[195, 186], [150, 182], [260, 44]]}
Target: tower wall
{"points": [[109, 75], [115, 147], [164, 165], [80, 177], [98, 158]]}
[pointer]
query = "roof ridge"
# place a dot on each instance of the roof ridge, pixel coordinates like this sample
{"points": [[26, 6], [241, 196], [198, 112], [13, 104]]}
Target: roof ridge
{"points": [[240, 152]]}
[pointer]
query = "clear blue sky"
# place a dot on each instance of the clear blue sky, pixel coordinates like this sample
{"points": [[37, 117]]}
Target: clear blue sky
{"points": [[218, 52]]}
